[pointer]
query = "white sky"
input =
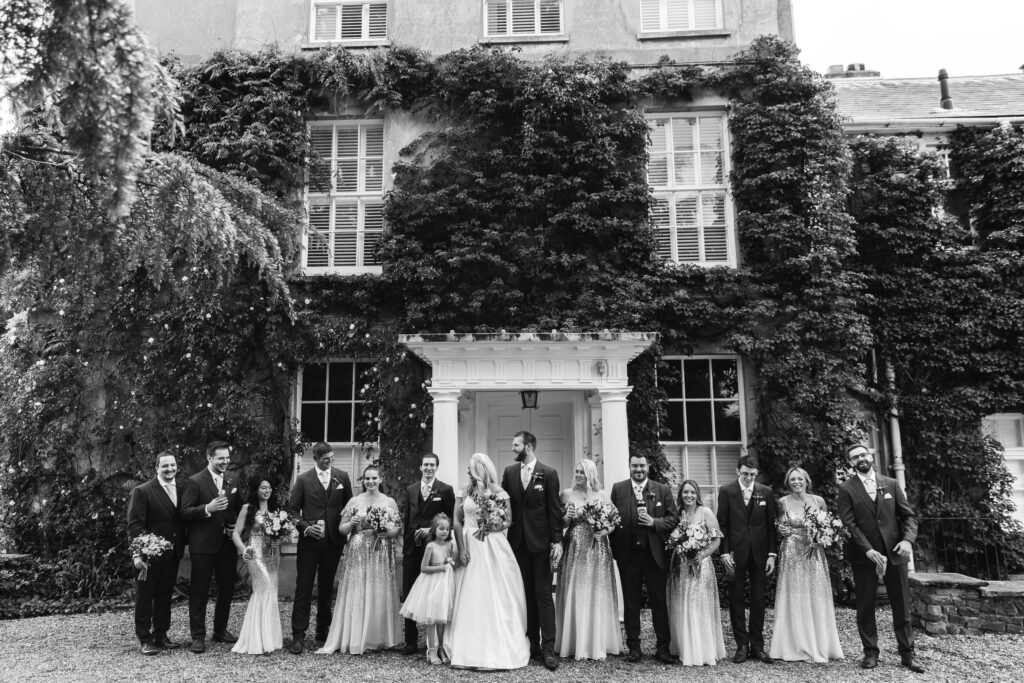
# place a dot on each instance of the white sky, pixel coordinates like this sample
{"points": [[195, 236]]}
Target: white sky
{"points": [[903, 38]]}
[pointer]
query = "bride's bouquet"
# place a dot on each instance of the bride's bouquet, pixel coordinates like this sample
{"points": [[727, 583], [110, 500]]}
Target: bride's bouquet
{"points": [[490, 514], [274, 524], [823, 529], [689, 541], [601, 516], [148, 547], [381, 520]]}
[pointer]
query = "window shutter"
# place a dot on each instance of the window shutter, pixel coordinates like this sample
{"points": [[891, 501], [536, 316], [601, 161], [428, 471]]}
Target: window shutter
{"points": [[713, 218], [523, 16], [705, 14], [318, 238], [687, 227], [662, 228], [677, 15], [497, 17], [551, 16], [351, 22], [378, 27], [650, 15], [325, 22], [346, 221], [321, 141], [373, 226]]}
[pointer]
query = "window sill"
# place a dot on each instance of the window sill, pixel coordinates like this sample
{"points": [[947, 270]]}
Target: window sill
{"points": [[347, 44], [512, 40], [342, 271], [683, 35]]}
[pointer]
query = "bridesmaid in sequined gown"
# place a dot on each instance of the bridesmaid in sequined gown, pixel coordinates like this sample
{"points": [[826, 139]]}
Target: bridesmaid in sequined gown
{"points": [[366, 609], [587, 598], [805, 619], [261, 627], [694, 614]]}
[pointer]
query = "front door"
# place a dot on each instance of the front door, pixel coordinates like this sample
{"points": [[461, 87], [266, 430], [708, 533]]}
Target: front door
{"points": [[551, 423]]}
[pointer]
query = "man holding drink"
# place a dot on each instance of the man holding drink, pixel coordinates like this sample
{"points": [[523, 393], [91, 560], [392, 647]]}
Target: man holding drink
{"points": [[209, 506]]}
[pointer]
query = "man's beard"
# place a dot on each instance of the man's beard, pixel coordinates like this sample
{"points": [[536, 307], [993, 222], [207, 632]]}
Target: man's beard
{"points": [[521, 455], [639, 477], [864, 466]]}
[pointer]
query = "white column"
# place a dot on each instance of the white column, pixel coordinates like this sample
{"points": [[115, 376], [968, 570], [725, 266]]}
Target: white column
{"points": [[614, 435], [446, 433]]}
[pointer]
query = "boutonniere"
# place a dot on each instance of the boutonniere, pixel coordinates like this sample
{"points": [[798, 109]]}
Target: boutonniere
{"points": [[757, 496], [538, 475], [234, 490]]}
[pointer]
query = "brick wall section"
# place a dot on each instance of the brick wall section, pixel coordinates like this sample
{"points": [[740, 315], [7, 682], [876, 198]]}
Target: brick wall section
{"points": [[956, 604]]}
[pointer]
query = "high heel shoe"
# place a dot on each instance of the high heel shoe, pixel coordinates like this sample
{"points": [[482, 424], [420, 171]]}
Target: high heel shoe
{"points": [[432, 657]]}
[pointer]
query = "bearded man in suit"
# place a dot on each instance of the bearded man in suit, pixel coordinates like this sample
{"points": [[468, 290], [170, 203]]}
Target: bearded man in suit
{"points": [[883, 528], [210, 505], [153, 509], [317, 499], [423, 500]]}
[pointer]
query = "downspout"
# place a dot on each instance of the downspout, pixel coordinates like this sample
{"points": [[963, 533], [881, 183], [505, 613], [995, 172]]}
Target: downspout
{"points": [[897, 442]]}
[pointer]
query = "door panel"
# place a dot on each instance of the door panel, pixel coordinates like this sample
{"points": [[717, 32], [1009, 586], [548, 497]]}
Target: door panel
{"points": [[552, 425]]}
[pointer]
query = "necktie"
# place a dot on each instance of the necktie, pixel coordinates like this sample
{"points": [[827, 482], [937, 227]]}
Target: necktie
{"points": [[425, 491], [172, 493], [218, 482], [869, 486], [324, 481], [746, 496], [525, 476]]}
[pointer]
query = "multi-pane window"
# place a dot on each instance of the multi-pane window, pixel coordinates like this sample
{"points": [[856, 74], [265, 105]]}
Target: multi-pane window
{"points": [[703, 435], [1008, 430], [687, 170], [680, 15], [522, 17], [331, 403], [344, 195], [348, 21]]}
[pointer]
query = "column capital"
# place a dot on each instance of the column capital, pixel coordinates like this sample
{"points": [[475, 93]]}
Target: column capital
{"points": [[444, 395], [614, 394]]}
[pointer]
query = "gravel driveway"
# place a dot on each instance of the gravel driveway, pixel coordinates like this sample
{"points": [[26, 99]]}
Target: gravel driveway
{"points": [[102, 647]]}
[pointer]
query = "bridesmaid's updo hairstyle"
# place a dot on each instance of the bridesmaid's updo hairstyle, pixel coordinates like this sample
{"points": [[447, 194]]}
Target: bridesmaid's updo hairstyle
{"points": [[801, 471], [679, 497], [375, 468], [435, 522]]}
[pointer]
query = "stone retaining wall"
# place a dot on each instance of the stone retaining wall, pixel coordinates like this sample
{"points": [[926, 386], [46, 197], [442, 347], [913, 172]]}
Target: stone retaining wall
{"points": [[957, 604]]}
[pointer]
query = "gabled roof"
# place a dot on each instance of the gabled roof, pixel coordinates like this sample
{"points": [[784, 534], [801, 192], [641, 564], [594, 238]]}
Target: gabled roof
{"points": [[894, 99]]}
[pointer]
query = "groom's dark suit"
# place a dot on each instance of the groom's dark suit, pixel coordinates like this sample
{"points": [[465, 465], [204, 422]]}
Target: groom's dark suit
{"points": [[419, 512], [316, 559], [536, 513], [150, 510], [211, 551], [879, 525], [640, 553]]}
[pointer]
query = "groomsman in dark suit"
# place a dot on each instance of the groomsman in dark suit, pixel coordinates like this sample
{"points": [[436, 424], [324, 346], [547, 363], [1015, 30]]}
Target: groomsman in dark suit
{"points": [[423, 500], [746, 514], [883, 528], [317, 499], [210, 505], [153, 509], [648, 517], [536, 539]]}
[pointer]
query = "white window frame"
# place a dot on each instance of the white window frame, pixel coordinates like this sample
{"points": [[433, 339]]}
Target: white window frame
{"points": [[672, 190], [350, 456], [367, 36], [361, 197], [509, 32], [731, 449], [668, 10], [1013, 455]]}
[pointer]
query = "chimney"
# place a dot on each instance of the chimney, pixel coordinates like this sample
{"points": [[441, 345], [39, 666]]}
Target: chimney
{"points": [[856, 70], [946, 102]]}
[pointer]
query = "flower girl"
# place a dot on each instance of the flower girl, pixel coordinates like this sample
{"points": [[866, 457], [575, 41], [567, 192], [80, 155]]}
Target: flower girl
{"points": [[430, 599]]}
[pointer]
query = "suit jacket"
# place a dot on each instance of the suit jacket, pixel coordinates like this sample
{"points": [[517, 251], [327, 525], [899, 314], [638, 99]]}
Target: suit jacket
{"points": [[150, 510], [748, 530], [660, 506], [206, 534], [419, 512], [876, 525], [309, 502], [536, 511]]}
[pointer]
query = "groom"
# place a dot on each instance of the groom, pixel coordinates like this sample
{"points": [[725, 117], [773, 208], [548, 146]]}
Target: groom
{"points": [[536, 539]]}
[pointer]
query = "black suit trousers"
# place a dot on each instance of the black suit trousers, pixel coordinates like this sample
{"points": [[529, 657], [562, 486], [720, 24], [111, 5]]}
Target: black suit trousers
{"points": [[540, 605], [410, 572], [641, 568], [316, 560], [865, 586], [153, 599], [755, 572], [206, 566]]}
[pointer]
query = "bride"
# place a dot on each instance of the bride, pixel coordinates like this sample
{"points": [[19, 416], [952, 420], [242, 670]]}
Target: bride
{"points": [[488, 627]]}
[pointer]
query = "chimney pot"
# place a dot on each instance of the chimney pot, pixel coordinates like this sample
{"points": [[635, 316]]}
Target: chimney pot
{"points": [[945, 101]]}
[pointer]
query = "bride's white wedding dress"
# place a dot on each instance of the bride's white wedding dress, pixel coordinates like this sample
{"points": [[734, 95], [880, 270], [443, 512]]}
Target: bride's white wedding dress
{"points": [[488, 627]]}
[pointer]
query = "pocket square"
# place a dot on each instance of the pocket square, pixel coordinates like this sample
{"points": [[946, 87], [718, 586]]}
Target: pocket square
{"points": [[436, 499], [658, 504], [762, 503], [888, 496], [234, 490], [341, 487], [538, 487]]}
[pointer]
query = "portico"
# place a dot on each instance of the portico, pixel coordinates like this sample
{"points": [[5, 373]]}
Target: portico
{"points": [[582, 383]]}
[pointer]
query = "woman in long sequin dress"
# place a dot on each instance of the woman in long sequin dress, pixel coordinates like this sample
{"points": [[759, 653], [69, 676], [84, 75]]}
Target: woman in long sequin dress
{"points": [[488, 627], [805, 619], [261, 626], [366, 609], [587, 599], [694, 614]]}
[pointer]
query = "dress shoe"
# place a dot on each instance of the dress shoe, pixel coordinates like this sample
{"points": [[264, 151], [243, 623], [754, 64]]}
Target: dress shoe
{"points": [[536, 653], [550, 661], [633, 655], [740, 656], [198, 646], [666, 657], [165, 643], [320, 638], [296, 647], [869, 662], [762, 656], [909, 663], [225, 637], [409, 649], [149, 649]]}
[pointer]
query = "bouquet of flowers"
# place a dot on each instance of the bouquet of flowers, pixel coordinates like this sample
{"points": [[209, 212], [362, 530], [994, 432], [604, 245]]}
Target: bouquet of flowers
{"points": [[601, 516], [823, 529], [490, 514], [148, 547], [689, 541], [381, 520], [274, 524]]}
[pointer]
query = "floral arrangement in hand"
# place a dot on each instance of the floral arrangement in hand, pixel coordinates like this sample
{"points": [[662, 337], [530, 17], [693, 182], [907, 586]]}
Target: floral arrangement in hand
{"points": [[601, 517], [381, 520], [823, 529], [148, 547], [490, 514], [274, 524], [689, 541]]}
